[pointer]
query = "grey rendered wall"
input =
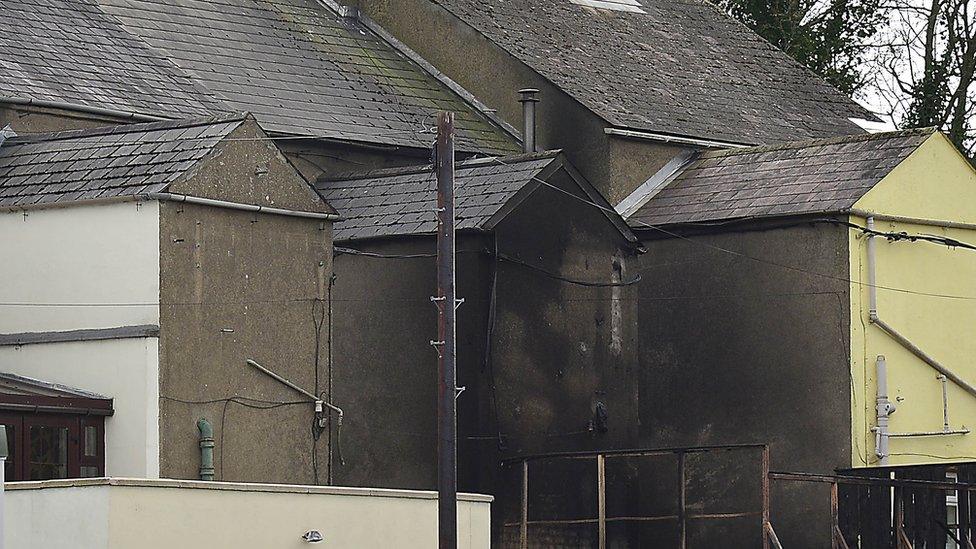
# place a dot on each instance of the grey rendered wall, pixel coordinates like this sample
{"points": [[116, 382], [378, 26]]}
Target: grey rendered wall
{"points": [[234, 286], [734, 350]]}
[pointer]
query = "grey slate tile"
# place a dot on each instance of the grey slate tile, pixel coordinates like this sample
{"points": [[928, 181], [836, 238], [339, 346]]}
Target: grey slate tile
{"points": [[822, 176], [682, 67], [50, 174], [401, 201]]}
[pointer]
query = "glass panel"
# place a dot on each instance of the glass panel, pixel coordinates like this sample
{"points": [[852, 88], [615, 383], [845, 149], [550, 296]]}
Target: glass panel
{"points": [[8, 466], [88, 471], [91, 441], [48, 452]]}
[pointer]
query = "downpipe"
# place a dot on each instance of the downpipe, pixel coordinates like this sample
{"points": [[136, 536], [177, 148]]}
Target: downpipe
{"points": [[884, 407], [206, 449]]}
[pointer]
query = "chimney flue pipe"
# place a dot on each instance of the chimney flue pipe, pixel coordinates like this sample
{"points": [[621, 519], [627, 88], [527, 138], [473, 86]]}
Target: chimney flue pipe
{"points": [[530, 96]]}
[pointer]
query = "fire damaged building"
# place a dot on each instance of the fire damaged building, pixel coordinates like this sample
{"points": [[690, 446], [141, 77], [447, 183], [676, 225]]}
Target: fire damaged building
{"points": [[679, 327], [813, 296], [546, 330]]}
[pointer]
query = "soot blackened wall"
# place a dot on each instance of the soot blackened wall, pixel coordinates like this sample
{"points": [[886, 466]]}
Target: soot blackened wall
{"points": [[384, 368], [737, 349]]}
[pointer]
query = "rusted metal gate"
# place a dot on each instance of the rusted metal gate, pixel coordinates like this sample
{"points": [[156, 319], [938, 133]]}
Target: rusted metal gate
{"points": [[883, 512], [596, 499]]}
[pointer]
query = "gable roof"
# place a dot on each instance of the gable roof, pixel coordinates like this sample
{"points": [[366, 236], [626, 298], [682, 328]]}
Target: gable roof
{"points": [[821, 176], [109, 162], [674, 67], [402, 201], [73, 52], [301, 68]]}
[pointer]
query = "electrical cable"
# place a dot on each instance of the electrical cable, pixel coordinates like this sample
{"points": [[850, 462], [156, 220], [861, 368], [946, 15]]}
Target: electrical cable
{"points": [[741, 254], [555, 276], [339, 250], [488, 366], [317, 322], [239, 400]]}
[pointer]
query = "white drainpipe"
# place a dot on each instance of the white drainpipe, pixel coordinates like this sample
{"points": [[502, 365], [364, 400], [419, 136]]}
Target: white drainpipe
{"points": [[884, 407]]}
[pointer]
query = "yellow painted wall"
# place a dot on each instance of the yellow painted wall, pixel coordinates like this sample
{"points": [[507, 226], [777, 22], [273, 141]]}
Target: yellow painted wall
{"points": [[934, 182]]}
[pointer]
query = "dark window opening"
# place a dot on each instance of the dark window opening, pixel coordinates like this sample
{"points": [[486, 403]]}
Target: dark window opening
{"points": [[53, 446]]}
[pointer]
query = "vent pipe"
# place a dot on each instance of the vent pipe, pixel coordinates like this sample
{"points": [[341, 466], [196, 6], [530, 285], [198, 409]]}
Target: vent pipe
{"points": [[349, 10], [530, 96], [6, 132]]}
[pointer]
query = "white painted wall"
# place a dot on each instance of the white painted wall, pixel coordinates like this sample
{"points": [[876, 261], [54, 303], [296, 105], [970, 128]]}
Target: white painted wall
{"points": [[62, 268], [123, 514], [126, 370]]}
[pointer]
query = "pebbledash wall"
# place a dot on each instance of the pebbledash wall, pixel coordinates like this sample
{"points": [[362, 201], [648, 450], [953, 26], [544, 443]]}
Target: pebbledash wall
{"points": [[160, 514], [85, 267], [925, 291]]}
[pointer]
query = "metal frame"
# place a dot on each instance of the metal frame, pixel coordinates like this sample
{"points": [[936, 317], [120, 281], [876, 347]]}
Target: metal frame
{"points": [[898, 486], [682, 516]]}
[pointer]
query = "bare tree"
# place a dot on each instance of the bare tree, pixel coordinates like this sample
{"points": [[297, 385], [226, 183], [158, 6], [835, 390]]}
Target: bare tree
{"points": [[927, 67]]}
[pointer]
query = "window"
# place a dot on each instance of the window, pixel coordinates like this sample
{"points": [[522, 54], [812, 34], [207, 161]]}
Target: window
{"points": [[952, 512], [52, 446]]}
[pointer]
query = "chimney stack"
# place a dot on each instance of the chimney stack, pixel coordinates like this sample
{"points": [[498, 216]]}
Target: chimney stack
{"points": [[528, 100]]}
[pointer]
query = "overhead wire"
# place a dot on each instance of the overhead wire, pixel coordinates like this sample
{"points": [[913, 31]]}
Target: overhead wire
{"points": [[742, 254]]}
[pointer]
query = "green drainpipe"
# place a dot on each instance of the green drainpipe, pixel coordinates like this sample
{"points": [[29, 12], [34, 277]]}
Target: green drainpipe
{"points": [[206, 449]]}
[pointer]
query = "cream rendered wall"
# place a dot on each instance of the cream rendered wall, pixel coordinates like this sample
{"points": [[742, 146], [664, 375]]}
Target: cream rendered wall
{"points": [[122, 514], [63, 268], [936, 183], [80, 267], [126, 370]]}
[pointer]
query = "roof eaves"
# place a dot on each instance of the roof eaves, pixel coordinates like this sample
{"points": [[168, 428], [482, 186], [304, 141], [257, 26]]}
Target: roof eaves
{"points": [[422, 168], [857, 138], [721, 222], [76, 107], [673, 139], [164, 124]]}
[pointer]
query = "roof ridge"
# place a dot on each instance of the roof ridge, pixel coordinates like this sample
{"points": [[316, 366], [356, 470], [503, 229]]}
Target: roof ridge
{"points": [[420, 168], [855, 138], [118, 129]]}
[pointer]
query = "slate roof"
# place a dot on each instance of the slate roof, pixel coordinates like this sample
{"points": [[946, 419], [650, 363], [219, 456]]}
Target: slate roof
{"points": [[107, 162], [822, 176], [680, 68], [300, 68], [75, 53], [401, 201]]}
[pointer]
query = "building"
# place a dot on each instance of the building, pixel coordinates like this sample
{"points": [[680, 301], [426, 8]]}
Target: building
{"points": [[174, 253], [624, 86], [757, 323], [546, 353], [131, 258]]}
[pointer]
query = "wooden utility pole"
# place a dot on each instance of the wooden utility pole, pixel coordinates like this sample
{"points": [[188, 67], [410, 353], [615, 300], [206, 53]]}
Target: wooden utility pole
{"points": [[446, 300]]}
